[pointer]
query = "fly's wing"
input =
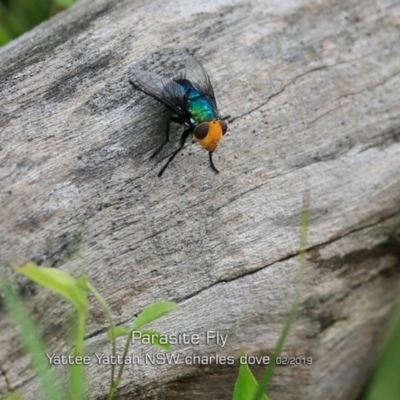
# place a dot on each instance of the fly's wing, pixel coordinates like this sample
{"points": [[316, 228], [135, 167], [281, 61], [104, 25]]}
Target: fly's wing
{"points": [[196, 74], [162, 89]]}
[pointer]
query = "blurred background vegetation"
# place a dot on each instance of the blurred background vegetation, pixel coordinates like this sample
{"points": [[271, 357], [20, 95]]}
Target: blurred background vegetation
{"points": [[20, 16]]}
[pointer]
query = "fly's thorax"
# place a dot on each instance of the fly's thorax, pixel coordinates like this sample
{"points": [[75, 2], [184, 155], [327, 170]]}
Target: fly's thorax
{"points": [[210, 133]]}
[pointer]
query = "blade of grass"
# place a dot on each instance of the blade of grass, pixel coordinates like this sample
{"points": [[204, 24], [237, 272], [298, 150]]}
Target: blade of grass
{"points": [[107, 312], [77, 370], [385, 383], [30, 339], [305, 222]]}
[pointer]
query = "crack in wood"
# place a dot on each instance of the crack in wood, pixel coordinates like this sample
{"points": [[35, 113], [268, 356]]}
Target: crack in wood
{"points": [[293, 81], [4, 374]]}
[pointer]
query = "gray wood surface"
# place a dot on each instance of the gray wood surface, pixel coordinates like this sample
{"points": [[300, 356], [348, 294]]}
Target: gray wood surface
{"points": [[313, 89]]}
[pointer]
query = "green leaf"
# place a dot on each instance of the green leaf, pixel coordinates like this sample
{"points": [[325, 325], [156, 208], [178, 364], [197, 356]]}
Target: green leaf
{"points": [[56, 280], [118, 331], [153, 312], [156, 339], [83, 283], [246, 385]]}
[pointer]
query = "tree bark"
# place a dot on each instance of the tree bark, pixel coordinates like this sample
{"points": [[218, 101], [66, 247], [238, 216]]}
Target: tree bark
{"points": [[313, 91]]}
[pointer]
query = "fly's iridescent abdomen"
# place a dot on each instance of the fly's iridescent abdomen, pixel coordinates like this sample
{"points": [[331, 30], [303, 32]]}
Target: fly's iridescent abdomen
{"points": [[190, 96], [201, 108]]}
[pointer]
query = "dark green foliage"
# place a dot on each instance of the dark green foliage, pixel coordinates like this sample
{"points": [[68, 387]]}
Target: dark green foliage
{"points": [[20, 16]]}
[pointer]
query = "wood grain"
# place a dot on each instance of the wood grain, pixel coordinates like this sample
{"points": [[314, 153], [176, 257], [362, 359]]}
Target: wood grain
{"points": [[313, 93]]}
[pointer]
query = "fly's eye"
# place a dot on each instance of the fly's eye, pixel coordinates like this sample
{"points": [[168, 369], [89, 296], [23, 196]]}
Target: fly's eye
{"points": [[201, 131], [224, 127]]}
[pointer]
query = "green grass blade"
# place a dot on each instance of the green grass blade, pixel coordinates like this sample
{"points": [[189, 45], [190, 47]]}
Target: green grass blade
{"points": [[31, 341], [385, 383], [305, 222], [77, 370]]}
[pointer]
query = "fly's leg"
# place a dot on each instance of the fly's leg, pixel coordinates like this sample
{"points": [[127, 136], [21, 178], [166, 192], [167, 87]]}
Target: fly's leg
{"points": [[171, 119], [184, 136], [212, 164]]}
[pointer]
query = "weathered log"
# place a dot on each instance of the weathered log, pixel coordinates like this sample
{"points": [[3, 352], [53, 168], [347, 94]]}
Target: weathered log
{"points": [[313, 90]]}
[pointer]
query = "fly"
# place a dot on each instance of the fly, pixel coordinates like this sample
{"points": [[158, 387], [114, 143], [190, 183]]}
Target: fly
{"points": [[189, 95]]}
